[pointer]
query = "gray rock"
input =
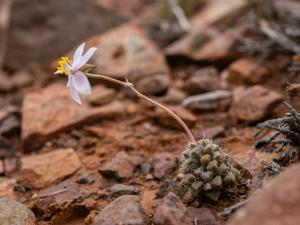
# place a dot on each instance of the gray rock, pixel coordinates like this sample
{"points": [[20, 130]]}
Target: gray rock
{"points": [[203, 216], [121, 166], [14, 213], [164, 163], [171, 212], [125, 210], [122, 189], [211, 101]]}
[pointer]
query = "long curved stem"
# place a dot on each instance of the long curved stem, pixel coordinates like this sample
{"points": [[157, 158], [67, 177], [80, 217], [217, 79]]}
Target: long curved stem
{"points": [[129, 85]]}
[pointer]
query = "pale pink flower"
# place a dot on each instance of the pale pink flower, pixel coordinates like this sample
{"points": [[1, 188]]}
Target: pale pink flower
{"points": [[77, 80]]}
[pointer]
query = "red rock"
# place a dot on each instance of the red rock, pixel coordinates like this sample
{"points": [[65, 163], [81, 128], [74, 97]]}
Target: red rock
{"points": [[39, 171], [202, 216], [278, 202], [132, 56], [215, 12], [254, 103], [212, 101], [239, 145], [26, 48], [101, 95], [245, 71], [51, 110], [221, 46], [165, 119], [125, 210], [164, 163], [214, 131], [121, 166], [89, 203], [204, 80], [171, 212]]}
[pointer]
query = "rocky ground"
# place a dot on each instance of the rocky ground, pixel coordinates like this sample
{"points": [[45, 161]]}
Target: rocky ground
{"points": [[112, 159]]}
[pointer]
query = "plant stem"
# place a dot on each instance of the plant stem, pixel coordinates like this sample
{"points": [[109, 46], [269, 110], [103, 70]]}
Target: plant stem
{"points": [[129, 85]]}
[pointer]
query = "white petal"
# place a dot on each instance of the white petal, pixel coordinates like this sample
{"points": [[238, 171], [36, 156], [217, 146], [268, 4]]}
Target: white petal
{"points": [[85, 58], [81, 83], [69, 80], [78, 55], [74, 93]]}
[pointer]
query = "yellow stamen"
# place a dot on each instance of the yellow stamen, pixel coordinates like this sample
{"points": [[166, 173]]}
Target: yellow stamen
{"points": [[63, 66]]}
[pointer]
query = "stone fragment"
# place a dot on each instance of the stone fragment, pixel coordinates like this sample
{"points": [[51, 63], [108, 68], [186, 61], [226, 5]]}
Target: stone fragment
{"points": [[171, 212], [211, 101], [278, 202], [164, 163], [1, 167], [254, 103], [22, 78], [10, 165], [89, 203], [208, 43], [132, 56], [51, 110], [130, 8], [173, 96], [245, 71], [5, 148], [13, 212], [214, 131], [5, 82], [222, 46], [204, 80], [202, 216], [101, 95], [3, 114], [86, 178], [5, 12], [125, 210], [240, 147], [287, 7], [31, 40], [9, 125], [56, 195], [146, 167], [166, 120], [7, 188], [65, 191], [122, 189], [39, 171], [121, 166]]}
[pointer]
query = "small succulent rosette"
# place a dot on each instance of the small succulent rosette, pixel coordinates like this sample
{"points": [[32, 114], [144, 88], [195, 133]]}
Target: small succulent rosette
{"points": [[206, 171]]}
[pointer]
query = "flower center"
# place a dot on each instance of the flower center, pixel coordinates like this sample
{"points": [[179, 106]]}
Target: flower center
{"points": [[64, 66]]}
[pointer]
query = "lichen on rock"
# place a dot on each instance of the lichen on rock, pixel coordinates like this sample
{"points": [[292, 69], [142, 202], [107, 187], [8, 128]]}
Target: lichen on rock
{"points": [[206, 171]]}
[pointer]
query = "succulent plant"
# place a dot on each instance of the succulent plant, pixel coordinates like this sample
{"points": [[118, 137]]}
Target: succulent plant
{"points": [[205, 170]]}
